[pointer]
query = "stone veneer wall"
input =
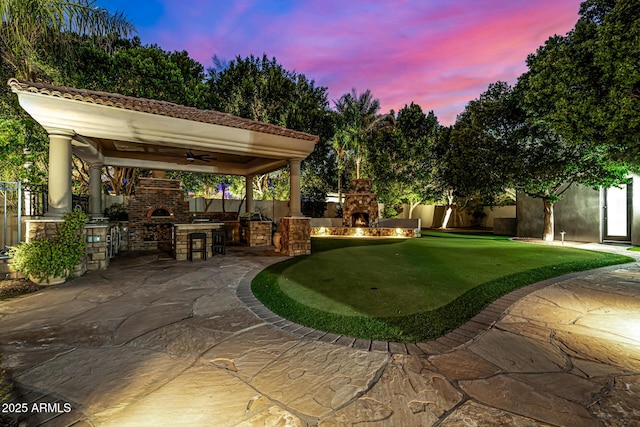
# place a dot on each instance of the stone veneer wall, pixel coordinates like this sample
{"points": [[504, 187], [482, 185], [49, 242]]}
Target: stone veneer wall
{"points": [[361, 199], [259, 233], [215, 216], [295, 236], [41, 228], [152, 193], [362, 185], [7, 271], [181, 250], [97, 256], [403, 233]]}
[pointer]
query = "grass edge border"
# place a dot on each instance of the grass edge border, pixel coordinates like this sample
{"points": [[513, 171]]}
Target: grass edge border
{"points": [[418, 327]]}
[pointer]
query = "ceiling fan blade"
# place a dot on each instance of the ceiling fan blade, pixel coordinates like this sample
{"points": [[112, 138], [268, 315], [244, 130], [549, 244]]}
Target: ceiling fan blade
{"points": [[201, 157]]}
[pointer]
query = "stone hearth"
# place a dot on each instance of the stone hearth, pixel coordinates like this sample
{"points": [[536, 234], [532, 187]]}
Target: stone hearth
{"points": [[360, 206]]}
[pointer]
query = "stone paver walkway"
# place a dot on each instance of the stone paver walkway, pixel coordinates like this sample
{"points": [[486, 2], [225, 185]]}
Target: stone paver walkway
{"points": [[152, 342]]}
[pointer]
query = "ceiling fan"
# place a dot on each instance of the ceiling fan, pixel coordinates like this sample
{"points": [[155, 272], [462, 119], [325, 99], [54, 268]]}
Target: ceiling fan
{"points": [[201, 157]]}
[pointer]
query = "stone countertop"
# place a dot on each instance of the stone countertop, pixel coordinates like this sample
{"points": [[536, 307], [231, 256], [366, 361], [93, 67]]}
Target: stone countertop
{"points": [[94, 225], [199, 225]]}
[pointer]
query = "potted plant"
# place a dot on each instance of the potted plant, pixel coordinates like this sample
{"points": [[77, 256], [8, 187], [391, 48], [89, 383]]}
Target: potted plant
{"points": [[52, 260]]}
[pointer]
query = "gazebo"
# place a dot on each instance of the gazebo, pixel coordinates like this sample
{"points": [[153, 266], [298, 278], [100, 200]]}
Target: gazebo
{"points": [[107, 129]]}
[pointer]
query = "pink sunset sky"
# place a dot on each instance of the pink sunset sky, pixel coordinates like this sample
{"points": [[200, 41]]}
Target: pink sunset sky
{"points": [[439, 54]]}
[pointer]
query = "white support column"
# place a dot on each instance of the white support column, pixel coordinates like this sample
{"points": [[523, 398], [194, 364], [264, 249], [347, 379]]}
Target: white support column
{"points": [[294, 188], [95, 190], [59, 173], [249, 192]]}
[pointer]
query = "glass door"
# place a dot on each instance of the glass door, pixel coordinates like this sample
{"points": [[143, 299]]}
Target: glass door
{"points": [[617, 213]]}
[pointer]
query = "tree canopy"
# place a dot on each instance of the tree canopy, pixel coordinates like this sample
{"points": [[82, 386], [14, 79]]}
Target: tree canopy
{"points": [[262, 89], [30, 33], [30, 28], [479, 155], [400, 159], [357, 122], [515, 147], [586, 85]]}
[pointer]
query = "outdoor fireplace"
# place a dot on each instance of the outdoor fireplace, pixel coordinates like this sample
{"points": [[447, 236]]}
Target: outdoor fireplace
{"points": [[360, 206], [360, 219]]}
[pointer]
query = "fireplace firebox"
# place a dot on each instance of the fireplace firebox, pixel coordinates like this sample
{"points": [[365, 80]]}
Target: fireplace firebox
{"points": [[360, 219]]}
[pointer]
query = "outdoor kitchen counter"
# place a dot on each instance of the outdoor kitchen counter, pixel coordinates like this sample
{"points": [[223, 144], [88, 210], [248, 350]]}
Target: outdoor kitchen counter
{"points": [[181, 237], [258, 233]]}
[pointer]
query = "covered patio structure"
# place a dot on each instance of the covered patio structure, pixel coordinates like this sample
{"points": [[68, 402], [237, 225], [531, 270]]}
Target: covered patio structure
{"points": [[107, 129]]}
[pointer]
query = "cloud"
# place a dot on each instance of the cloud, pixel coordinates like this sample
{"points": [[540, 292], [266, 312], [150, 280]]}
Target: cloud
{"points": [[437, 53]]}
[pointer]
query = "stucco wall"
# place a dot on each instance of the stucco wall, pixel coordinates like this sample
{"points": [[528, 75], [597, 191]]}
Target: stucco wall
{"points": [[635, 225], [432, 215], [270, 208], [578, 214], [494, 212], [426, 213]]}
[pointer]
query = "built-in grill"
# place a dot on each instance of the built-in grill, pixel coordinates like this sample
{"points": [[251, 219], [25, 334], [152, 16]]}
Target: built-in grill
{"points": [[252, 216]]}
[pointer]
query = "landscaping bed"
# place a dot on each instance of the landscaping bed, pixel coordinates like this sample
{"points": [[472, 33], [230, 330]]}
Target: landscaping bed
{"points": [[411, 290], [14, 287]]}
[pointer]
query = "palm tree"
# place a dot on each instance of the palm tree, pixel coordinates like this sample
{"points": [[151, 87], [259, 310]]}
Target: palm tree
{"points": [[28, 26], [358, 122], [340, 144]]}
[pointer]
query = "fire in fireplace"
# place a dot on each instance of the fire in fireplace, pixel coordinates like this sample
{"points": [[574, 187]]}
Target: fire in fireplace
{"points": [[360, 219]]}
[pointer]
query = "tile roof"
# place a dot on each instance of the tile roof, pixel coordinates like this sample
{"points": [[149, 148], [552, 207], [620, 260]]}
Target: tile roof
{"points": [[152, 106]]}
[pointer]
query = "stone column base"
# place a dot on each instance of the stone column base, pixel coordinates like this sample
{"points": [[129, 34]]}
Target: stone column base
{"points": [[296, 236], [97, 257], [259, 233]]}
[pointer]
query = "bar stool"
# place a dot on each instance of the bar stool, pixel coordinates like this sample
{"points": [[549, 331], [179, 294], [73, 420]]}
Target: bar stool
{"points": [[202, 239], [219, 239]]}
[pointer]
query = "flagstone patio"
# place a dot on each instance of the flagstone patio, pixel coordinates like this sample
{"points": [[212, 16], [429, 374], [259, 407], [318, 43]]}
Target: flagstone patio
{"points": [[154, 341]]}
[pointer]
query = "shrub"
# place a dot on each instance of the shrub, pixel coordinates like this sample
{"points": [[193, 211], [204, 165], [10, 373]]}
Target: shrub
{"points": [[44, 258], [314, 201], [116, 212]]}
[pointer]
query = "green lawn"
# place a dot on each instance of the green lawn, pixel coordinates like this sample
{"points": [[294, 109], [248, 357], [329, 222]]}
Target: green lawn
{"points": [[409, 290]]}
